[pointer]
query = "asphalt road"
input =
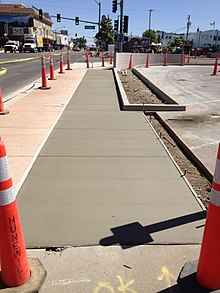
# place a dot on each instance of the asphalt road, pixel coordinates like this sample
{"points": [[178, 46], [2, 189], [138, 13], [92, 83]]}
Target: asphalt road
{"points": [[21, 70]]}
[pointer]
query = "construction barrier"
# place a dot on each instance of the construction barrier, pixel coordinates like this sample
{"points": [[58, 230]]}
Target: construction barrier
{"points": [[15, 269], [208, 272], [121, 59], [130, 62], [61, 63], [51, 68], [44, 75], [2, 109], [68, 61]]}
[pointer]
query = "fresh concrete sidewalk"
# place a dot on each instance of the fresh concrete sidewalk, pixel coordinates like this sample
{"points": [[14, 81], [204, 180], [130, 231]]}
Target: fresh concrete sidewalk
{"points": [[104, 170], [103, 178]]}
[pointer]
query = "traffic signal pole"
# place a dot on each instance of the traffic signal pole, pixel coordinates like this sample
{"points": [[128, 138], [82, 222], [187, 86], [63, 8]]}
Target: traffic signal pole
{"points": [[121, 26], [74, 19]]}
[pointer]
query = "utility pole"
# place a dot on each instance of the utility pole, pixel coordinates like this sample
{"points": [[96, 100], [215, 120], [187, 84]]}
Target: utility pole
{"points": [[149, 38], [121, 25], [188, 26]]}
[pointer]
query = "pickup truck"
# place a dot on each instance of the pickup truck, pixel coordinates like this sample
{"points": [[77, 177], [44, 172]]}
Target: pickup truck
{"points": [[11, 46]]}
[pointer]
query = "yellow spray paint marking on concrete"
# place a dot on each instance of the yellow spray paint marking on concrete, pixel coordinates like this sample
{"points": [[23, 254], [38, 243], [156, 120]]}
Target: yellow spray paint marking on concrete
{"points": [[3, 71], [18, 60], [167, 276], [124, 286], [104, 285]]}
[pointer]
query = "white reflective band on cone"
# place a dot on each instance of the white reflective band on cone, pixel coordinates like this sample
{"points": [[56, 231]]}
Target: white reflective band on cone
{"points": [[7, 196], [4, 170], [216, 177], [215, 197]]}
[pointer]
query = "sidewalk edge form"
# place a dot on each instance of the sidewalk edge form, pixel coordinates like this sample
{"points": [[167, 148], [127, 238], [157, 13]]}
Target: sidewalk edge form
{"points": [[126, 106], [186, 150]]}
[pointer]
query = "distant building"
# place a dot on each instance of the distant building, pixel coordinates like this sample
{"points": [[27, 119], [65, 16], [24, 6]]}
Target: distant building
{"points": [[200, 39], [17, 20]]}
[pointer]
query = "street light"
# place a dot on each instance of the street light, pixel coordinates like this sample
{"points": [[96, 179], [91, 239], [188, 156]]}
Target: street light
{"points": [[99, 4]]}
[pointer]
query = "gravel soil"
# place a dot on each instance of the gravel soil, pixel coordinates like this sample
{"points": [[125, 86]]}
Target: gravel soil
{"points": [[138, 92]]}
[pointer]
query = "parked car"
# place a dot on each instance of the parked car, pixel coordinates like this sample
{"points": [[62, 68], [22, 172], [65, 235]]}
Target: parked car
{"points": [[30, 48], [11, 46]]}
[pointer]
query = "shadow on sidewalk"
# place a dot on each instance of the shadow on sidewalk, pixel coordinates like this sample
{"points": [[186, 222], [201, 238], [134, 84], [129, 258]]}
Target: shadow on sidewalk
{"points": [[134, 234], [174, 289]]}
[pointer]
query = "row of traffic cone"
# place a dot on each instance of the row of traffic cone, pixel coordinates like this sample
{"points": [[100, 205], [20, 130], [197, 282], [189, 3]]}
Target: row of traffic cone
{"points": [[102, 60], [44, 75], [181, 62]]}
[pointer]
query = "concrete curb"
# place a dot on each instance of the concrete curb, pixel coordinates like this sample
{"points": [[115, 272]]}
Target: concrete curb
{"points": [[186, 150], [126, 106], [34, 284], [187, 279]]}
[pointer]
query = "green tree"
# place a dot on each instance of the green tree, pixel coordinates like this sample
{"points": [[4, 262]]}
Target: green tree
{"points": [[106, 34], [79, 42], [177, 42], [150, 33]]}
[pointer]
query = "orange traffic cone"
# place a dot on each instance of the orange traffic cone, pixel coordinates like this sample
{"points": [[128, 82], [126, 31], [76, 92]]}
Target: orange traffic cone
{"points": [[110, 61], [14, 263], [2, 110], [147, 61], [208, 272], [182, 59], [68, 61], [103, 60], [87, 61], [165, 60], [215, 67], [188, 59], [130, 62], [51, 68], [44, 75], [61, 63]]}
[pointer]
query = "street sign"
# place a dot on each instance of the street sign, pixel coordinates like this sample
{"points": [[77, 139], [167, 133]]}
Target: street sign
{"points": [[89, 27]]}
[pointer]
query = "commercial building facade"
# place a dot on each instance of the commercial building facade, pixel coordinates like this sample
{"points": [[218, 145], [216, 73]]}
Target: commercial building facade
{"points": [[17, 20]]}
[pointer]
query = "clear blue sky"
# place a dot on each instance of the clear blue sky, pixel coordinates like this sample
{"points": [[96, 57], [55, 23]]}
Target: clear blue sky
{"points": [[168, 15]]}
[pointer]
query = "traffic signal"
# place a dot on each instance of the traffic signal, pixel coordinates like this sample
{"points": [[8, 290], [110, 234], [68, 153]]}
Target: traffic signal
{"points": [[116, 25], [58, 17], [40, 14], [77, 20], [125, 24], [114, 6]]}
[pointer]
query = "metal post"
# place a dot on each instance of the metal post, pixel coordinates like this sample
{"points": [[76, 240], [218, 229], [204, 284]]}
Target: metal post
{"points": [[149, 38], [121, 25], [99, 15], [99, 22]]}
